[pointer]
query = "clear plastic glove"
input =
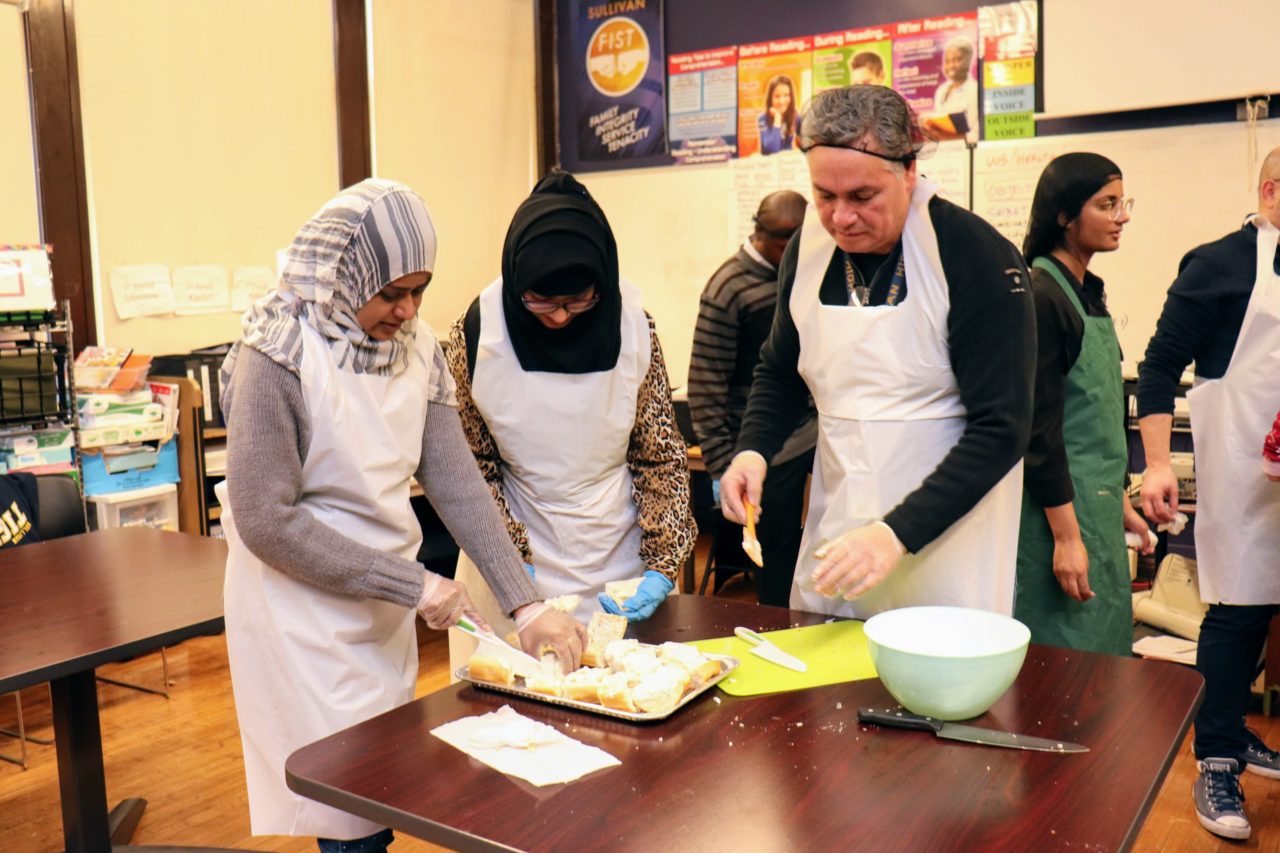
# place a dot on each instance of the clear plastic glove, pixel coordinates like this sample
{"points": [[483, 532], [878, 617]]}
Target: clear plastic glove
{"points": [[856, 561], [544, 631], [443, 601], [653, 590], [528, 567], [744, 481]]}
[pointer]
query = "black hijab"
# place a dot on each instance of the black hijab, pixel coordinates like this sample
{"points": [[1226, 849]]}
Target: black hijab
{"points": [[1065, 185], [559, 244]]}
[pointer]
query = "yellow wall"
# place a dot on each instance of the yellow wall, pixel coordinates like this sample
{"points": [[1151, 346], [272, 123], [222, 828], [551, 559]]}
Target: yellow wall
{"points": [[210, 130], [19, 213], [453, 110]]}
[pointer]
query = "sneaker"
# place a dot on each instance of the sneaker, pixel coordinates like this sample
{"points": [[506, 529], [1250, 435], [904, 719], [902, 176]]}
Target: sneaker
{"points": [[1219, 799], [1260, 758]]}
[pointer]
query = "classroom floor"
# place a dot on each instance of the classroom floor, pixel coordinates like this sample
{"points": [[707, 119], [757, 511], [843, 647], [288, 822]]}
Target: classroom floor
{"points": [[183, 755]]}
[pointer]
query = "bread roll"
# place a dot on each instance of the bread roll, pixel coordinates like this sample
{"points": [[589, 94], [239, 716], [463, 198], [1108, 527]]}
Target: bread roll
{"points": [[614, 651], [603, 629], [549, 683], [492, 670], [620, 591], [615, 692], [564, 603], [639, 662], [583, 685], [701, 668], [659, 691]]}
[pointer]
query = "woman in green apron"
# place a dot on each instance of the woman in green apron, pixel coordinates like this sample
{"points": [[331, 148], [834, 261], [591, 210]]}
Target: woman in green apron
{"points": [[1073, 571]]}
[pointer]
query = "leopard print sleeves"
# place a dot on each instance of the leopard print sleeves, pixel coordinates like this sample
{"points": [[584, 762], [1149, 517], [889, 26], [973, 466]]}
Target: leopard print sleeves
{"points": [[659, 466], [483, 447]]}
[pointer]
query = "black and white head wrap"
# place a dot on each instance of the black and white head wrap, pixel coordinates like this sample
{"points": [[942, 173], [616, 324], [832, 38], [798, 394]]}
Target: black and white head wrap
{"points": [[369, 235]]}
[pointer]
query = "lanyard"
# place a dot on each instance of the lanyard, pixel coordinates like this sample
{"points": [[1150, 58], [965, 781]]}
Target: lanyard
{"points": [[859, 289]]}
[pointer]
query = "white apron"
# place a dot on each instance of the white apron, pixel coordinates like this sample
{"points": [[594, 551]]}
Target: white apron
{"points": [[888, 412], [564, 440], [1237, 525], [306, 663]]}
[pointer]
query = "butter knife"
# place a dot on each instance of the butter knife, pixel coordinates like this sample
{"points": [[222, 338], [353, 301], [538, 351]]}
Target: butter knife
{"points": [[903, 719], [767, 650]]}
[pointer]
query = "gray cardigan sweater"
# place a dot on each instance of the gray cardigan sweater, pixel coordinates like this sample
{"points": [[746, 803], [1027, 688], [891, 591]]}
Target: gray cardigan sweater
{"points": [[268, 437]]}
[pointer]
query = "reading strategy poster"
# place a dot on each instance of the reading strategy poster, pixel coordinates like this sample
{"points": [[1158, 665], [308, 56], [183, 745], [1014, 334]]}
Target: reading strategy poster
{"points": [[702, 91], [935, 69], [1008, 69], [852, 56], [775, 78], [618, 85]]}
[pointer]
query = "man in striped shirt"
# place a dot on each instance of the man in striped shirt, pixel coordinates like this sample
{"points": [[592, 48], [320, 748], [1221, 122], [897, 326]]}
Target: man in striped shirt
{"points": [[734, 318]]}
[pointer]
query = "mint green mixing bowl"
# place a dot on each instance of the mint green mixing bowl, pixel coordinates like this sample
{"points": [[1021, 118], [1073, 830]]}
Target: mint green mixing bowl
{"points": [[951, 663]]}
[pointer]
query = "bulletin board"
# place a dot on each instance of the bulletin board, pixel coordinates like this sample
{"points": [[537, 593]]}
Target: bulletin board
{"points": [[701, 25], [1191, 185]]}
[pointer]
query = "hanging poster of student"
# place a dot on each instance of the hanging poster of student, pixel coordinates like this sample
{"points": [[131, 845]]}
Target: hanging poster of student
{"points": [[935, 69], [849, 57], [615, 80], [1008, 69], [775, 78], [702, 105]]}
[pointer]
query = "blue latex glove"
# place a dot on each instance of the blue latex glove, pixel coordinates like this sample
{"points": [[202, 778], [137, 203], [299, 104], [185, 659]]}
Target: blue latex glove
{"points": [[715, 491], [528, 567], [652, 592]]}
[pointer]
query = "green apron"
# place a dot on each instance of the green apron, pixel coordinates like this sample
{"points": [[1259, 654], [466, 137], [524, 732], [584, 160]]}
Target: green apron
{"points": [[1097, 453]]}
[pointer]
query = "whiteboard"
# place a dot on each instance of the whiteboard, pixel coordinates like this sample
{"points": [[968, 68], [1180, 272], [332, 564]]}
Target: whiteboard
{"points": [[1192, 184], [1103, 56]]}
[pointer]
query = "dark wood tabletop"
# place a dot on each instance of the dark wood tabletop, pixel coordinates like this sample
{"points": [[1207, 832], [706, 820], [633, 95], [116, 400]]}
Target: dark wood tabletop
{"points": [[71, 604], [787, 771], [74, 603]]}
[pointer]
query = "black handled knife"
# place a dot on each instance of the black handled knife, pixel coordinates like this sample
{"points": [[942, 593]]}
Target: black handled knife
{"points": [[903, 719]]}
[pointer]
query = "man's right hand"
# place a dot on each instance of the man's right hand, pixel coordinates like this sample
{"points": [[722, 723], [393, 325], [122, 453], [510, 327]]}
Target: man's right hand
{"points": [[543, 630], [744, 481], [1159, 494]]}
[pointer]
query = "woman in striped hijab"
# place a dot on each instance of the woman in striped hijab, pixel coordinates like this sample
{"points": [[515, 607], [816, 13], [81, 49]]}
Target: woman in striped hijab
{"points": [[335, 398]]}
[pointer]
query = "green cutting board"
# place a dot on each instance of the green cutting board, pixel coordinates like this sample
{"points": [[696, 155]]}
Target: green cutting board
{"points": [[834, 651]]}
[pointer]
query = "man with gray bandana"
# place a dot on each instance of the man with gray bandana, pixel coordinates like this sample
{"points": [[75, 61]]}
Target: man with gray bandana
{"points": [[910, 322]]}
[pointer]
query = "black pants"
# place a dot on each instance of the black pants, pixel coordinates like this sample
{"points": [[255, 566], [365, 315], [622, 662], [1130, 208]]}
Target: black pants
{"points": [[778, 530], [1231, 640]]}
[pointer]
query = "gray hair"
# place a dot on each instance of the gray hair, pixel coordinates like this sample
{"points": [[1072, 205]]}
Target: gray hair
{"points": [[861, 116], [962, 44]]}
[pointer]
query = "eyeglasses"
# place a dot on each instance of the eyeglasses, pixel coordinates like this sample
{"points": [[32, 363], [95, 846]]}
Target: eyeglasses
{"points": [[1115, 208], [572, 306]]}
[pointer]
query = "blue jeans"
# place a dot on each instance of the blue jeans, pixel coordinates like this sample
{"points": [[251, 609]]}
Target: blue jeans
{"points": [[1232, 637], [376, 843]]}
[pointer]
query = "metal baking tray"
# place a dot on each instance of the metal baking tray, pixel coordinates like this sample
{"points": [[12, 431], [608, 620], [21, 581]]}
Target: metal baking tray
{"points": [[728, 663]]}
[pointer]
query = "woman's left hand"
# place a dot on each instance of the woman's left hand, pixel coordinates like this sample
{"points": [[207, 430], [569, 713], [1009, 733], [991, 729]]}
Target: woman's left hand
{"points": [[1135, 523], [653, 590]]}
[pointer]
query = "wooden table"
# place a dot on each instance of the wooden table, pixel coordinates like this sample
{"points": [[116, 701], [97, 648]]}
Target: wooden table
{"points": [[71, 604], [790, 771]]}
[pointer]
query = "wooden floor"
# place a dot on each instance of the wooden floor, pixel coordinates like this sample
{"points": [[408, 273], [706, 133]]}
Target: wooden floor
{"points": [[183, 755]]}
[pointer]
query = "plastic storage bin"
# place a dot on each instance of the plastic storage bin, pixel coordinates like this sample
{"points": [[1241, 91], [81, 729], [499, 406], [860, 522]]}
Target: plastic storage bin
{"points": [[156, 506]]}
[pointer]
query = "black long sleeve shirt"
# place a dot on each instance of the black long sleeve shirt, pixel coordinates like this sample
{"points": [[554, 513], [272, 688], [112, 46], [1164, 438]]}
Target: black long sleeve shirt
{"points": [[991, 336], [1201, 318], [1059, 336]]}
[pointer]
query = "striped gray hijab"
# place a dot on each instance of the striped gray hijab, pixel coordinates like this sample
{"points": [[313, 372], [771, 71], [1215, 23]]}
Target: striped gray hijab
{"points": [[369, 235]]}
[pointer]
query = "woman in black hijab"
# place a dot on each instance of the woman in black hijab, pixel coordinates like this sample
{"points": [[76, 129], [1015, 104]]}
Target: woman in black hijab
{"points": [[564, 397], [1073, 570]]}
